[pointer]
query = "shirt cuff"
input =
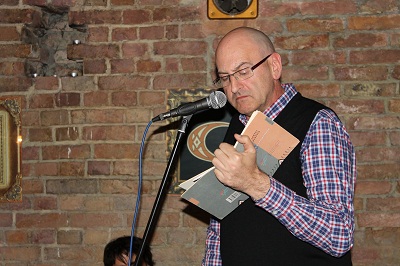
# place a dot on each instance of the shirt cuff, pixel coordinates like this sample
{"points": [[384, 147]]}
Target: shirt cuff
{"points": [[278, 199]]}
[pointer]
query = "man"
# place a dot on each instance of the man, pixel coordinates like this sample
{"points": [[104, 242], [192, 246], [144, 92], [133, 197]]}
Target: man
{"points": [[303, 214], [116, 252]]}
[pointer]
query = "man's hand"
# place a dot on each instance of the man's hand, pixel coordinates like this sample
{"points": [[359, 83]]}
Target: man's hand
{"points": [[239, 170]]}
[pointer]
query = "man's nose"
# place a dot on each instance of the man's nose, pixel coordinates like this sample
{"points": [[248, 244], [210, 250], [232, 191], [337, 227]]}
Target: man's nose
{"points": [[235, 84]]}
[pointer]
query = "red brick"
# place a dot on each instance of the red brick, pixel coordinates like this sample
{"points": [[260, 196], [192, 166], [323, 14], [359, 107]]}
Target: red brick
{"points": [[43, 236], [315, 25], [328, 7], [42, 101], [47, 220], [45, 169], [370, 89], [377, 171], [12, 68], [96, 66], [30, 118], [373, 188], [123, 83], [301, 42], [377, 6], [44, 203], [92, 51], [72, 169], [125, 168], [14, 253], [357, 106], [361, 73], [97, 133], [122, 66], [16, 237], [97, 116], [94, 220], [361, 138], [46, 83], [81, 83], [394, 138], [319, 90], [377, 57], [389, 204], [373, 123], [99, 168], [134, 17], [67, 133], [72, 186], [133, 50], [151, 33], [179, 81], [6, 219], [67, 99], [192, 31], [40, 134], [376, 154], [318, 58], [147, 66], [95, 17], [66, 152], [8, 34], [10, 2], [305, 73], [116, 151], [56, 117], [379, 220], [367, 40], [15, 84], [394, 105], [97, 34], [151, 98], [170, 14], [124, 34], [32, 186], [180, 48], [374, 22], [30, 153], [396, 72], [16, 15], [193, 64], [70, 237], [71, 202], [95, 98], [172, 32], [15, 50]]}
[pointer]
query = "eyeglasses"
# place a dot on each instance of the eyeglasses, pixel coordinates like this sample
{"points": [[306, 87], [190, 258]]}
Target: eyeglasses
{"points": [[241, 74]]}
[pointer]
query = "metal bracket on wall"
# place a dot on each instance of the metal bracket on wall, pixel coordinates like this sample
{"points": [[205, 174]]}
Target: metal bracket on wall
{"points": [[232, 9]]}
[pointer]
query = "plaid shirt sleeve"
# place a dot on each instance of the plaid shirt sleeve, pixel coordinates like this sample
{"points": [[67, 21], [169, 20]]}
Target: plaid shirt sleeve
{"points": [[212, 256], [326, 218]]}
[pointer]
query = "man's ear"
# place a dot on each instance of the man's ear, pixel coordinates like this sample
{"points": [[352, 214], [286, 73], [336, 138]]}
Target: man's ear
{"points": [[276, 66]]}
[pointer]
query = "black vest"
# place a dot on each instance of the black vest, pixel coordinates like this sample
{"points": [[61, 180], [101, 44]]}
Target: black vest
{"points": [[252, 236]]}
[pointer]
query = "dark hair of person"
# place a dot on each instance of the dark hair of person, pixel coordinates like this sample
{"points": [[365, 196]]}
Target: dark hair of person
{"points": [[120, 246]]}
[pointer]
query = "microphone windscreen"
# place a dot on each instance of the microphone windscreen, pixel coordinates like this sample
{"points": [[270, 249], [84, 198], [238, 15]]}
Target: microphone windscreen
{"points": [[217, 99]]}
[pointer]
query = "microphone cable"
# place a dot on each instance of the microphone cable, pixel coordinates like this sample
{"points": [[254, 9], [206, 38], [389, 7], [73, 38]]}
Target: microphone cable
{"points": [[139, 193]]}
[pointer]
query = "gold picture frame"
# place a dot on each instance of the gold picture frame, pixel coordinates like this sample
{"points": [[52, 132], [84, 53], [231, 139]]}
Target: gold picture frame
{"points": [[10, 149], [213, 124]]}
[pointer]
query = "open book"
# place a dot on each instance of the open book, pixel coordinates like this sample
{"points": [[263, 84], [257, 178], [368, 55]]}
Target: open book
{"points": [[273, 144]]}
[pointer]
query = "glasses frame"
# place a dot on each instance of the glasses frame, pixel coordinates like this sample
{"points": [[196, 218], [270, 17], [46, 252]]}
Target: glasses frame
{"points": [[218, 80]]}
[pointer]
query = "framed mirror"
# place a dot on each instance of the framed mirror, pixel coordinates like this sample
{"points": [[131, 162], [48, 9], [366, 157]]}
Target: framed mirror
{"points": [[10, 149]]}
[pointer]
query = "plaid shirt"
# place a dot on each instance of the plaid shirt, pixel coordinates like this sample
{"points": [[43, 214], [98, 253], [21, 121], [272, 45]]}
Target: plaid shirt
{"points": [[329, 173]]}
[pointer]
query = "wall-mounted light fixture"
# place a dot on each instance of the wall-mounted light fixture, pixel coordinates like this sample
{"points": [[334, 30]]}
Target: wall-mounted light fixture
{"points": [[230, 9]]}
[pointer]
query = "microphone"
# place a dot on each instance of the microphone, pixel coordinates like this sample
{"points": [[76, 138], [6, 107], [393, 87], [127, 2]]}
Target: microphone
{"points": [[215, 100]]}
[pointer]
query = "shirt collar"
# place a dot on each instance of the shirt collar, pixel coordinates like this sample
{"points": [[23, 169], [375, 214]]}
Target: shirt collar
{"points": [[274, 110]]}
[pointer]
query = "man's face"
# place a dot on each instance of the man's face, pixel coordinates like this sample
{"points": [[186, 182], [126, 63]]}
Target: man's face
{"points": [[254, 93]]}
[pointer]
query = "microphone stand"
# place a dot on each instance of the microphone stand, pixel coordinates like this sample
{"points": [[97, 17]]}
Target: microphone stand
{"points": [[161, 191]]}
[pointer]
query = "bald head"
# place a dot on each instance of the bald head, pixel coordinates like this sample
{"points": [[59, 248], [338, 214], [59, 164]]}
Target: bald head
{"points": [[246, 38]]}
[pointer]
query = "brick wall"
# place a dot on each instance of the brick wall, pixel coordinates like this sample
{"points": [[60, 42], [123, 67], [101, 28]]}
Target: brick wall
{"points": [[81, 135]]}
